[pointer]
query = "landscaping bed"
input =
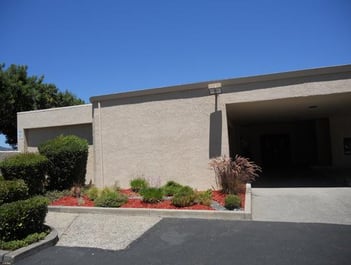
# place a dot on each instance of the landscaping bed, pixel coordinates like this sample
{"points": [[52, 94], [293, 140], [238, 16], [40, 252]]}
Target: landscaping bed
{"points": [[135, 201]]}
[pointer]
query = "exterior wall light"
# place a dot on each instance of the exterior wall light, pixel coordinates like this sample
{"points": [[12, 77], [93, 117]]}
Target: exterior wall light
{"points": [[215, 88]]}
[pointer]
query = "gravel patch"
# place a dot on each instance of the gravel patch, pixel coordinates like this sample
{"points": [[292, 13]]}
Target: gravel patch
{"points": [[103, 231], [60, 221]]}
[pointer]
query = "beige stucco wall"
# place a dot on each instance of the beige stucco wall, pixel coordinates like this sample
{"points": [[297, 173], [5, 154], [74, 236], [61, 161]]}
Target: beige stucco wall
{"points": [[168, 136], [36, 127], [167, 139], [73, 115]]}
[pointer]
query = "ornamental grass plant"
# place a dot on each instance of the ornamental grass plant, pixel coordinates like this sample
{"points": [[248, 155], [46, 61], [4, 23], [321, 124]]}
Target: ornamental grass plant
{"points": [[232, 174]]}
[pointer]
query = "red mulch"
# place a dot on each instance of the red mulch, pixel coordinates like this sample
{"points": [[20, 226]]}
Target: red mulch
{"points": [[73, 201], [129, 192]]}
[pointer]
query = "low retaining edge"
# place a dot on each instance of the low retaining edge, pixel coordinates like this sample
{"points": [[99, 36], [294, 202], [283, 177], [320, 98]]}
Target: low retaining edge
{"points": [[246, 214], [10, 257]]}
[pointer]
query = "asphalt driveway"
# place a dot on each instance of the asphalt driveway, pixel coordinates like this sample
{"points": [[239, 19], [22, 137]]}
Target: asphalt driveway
{"points": [[190, 241], [313, 205]]}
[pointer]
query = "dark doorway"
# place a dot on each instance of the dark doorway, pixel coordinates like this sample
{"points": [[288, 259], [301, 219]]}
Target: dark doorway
{"points": [[275, 150]]}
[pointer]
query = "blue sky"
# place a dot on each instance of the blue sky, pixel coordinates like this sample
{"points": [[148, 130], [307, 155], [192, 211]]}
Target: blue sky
{"points": [[100, 47]]}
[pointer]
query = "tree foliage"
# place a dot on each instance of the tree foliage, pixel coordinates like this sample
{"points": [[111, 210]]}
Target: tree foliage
{"points": [[20, 92]]}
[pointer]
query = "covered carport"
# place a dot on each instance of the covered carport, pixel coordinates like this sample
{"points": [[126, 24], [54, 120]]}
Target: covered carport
{"points": [[298, 141]]}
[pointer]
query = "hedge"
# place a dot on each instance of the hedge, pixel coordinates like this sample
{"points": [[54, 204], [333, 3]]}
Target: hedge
{"points": [[21, 218], [31, 167], [30, 239], [13, 190], [68, 160]]}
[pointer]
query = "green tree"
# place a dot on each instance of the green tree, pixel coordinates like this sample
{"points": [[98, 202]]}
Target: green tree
{"points": [[20, 92]]}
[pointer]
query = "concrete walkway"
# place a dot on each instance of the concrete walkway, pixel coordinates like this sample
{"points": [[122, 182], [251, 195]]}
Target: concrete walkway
{"points": [[104, 231], [312, 205]]}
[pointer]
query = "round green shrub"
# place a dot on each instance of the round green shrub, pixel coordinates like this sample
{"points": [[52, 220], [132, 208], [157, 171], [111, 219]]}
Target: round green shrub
{"points": [[20, 218], [185, 196], [204, 197], [13, 190], [92, 193], [138, 184], [152, 195], [68, 157], [171, 188], [110, 198], [31, 167], [232, 202]]}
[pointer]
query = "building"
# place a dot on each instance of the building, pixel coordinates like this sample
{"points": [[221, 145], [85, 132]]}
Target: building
{"points": [[293, 119]]}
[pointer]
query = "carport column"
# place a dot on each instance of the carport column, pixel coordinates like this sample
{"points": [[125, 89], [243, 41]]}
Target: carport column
{"points": [[225, 135], [216, 90], [101, 147]]}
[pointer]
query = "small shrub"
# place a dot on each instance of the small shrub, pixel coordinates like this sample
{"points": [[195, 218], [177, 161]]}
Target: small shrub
{"points": [[30, 167], [106, 190], [30, 239], [13, 190], [152, 195], [171, 188], [184, 197], [68, 160], [92, 193], [204, 197], [21, 218], [138, 184], [232, 202], [110, 198], [232, 174]]}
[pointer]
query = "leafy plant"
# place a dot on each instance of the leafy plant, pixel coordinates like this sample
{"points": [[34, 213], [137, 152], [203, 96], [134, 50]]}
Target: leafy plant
{"points": [[110, 198], [232, 174], [185, 196], [21, 218], [68, 159], [30, 167], [152, 195], [92, 193], [13, 190], [30, 239], [138, 184], [171, 188], [204, 197], [232, 202]]}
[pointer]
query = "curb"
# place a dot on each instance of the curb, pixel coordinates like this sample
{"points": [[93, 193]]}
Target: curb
{"points": [[10, 257], [201, 214]]}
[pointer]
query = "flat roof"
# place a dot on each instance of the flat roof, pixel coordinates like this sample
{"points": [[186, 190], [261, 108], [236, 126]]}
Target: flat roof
{"points": [[227, 82], [55, 109]]}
